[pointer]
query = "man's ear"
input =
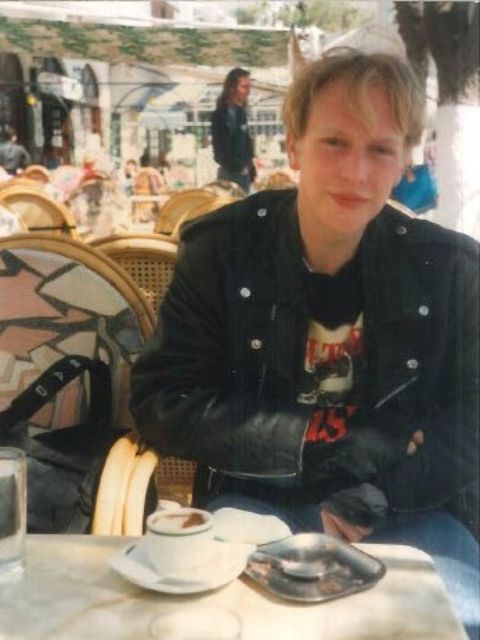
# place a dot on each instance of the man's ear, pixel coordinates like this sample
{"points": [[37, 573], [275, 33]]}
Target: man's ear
{"points": [[293, 153]]}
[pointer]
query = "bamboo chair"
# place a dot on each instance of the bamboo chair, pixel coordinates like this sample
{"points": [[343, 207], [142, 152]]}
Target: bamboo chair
{"points": [[74, 299], [38, 211], [276, 180], [149, 260], [200, 210], [225, 188], [178, 205], [23, 182], [10, 222], [37, 172]]}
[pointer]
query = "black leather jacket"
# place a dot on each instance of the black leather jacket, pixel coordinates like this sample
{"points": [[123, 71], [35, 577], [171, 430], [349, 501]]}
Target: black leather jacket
{"points": [[232, 144], [218, 384]]}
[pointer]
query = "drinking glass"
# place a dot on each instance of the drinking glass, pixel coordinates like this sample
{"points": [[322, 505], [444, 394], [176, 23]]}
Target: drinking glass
{"points": [[13, 513], [196, 623]]}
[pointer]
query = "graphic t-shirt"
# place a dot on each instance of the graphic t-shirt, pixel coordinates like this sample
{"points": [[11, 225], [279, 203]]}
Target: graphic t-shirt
{"points": [[334, 359]]}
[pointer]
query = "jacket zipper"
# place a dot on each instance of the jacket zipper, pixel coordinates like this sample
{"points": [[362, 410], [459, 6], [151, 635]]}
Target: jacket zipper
{"points": [[395, 392]]}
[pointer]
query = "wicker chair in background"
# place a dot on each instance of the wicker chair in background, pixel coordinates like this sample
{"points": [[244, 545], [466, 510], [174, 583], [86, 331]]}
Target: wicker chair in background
{"points": [[150, 261], [38, 211], [199, 211], [225, 188], [179, 204], [37, 172]]}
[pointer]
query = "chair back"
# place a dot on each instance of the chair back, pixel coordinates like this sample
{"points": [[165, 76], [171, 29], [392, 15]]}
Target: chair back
{"points": [[37, 172], [179, 204], [199, 211], [38, 211], [73, 300], [225, 188], [276, 180], [149, 260], [10, 222]]}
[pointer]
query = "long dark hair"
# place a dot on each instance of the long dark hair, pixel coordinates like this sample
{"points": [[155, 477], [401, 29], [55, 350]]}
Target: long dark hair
{"points": [[230, 84]]}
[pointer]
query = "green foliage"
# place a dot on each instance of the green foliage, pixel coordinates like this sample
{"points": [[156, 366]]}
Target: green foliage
{"points": [[329, 15], [246, 15]]}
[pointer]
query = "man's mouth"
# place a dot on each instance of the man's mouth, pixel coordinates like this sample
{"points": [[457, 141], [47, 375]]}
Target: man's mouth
{"points": [[348, 199]]}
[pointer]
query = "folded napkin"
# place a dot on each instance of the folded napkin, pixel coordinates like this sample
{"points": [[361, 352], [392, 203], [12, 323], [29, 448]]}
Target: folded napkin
{"points": [[237, 525]]}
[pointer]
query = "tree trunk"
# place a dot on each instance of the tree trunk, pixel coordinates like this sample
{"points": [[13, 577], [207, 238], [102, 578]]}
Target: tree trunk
{"points": [[452, 32], [412, 30]]}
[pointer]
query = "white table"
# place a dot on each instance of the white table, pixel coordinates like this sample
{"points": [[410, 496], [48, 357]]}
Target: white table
{"points": [[70, 593]]}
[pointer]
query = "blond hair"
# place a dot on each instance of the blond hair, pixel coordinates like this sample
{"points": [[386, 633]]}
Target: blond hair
{"points": [[358, 71]]}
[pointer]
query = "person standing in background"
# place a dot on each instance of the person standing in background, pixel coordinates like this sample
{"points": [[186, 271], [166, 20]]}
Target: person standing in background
{"points": [[13, 156], [232, 144]]}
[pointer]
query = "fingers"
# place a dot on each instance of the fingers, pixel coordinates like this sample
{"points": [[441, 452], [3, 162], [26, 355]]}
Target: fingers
{"points": [[340, 528], [416, 441], [411, 448], [418, 437]]}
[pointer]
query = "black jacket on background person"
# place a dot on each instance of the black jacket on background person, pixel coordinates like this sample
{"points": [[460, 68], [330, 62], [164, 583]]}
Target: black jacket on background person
{"points": [[232, 144], [219, 382]]}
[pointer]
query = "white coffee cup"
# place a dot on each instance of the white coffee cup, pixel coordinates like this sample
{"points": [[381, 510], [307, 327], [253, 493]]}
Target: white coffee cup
{"points": [[178, 541]]}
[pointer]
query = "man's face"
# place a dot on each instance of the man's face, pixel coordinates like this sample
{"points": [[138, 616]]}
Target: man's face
{"points": [[240, 94], [346, 169]]}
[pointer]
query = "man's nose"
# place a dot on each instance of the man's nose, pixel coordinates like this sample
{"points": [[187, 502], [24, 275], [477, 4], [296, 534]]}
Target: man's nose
{"points": [[355, 166]]}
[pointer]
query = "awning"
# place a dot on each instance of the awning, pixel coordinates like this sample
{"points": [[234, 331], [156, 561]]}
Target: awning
{"points": [[154, 45], [162, 119]]}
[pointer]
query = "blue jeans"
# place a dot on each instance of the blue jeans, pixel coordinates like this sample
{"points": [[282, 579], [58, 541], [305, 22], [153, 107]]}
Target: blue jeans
{"points": [[453, 548]]}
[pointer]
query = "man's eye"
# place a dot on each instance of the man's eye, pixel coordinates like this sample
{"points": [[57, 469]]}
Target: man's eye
{"points": [[384, 151], [335, 142]]}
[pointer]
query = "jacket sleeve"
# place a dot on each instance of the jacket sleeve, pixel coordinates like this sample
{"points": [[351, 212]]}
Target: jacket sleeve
{"points": [[221, 138], [448, 461], [182, 386]]}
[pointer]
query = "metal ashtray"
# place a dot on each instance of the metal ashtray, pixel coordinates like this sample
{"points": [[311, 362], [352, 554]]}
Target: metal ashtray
{"points": [[313, 567]]}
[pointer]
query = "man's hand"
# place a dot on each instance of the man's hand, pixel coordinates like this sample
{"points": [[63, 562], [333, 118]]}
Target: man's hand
{"points": [[335, 525], [415, 442], [340, 528]]}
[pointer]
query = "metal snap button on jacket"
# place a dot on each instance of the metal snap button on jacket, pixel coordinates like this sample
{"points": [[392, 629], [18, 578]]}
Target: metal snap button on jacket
{"points": [[412, 363], [401, 230], [423, 310], [256, 343], [261, 213], [245, 292]]}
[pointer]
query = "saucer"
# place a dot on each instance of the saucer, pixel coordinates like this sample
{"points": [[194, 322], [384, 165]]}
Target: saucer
{"points": [[228, 562]]}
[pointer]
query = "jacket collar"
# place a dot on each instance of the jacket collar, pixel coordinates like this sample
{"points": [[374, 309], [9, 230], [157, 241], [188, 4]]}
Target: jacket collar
{"points": [[392, 287]]}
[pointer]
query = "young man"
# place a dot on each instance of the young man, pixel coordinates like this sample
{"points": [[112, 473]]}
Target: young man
{"points": [[232, 144], [318, 351]]}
